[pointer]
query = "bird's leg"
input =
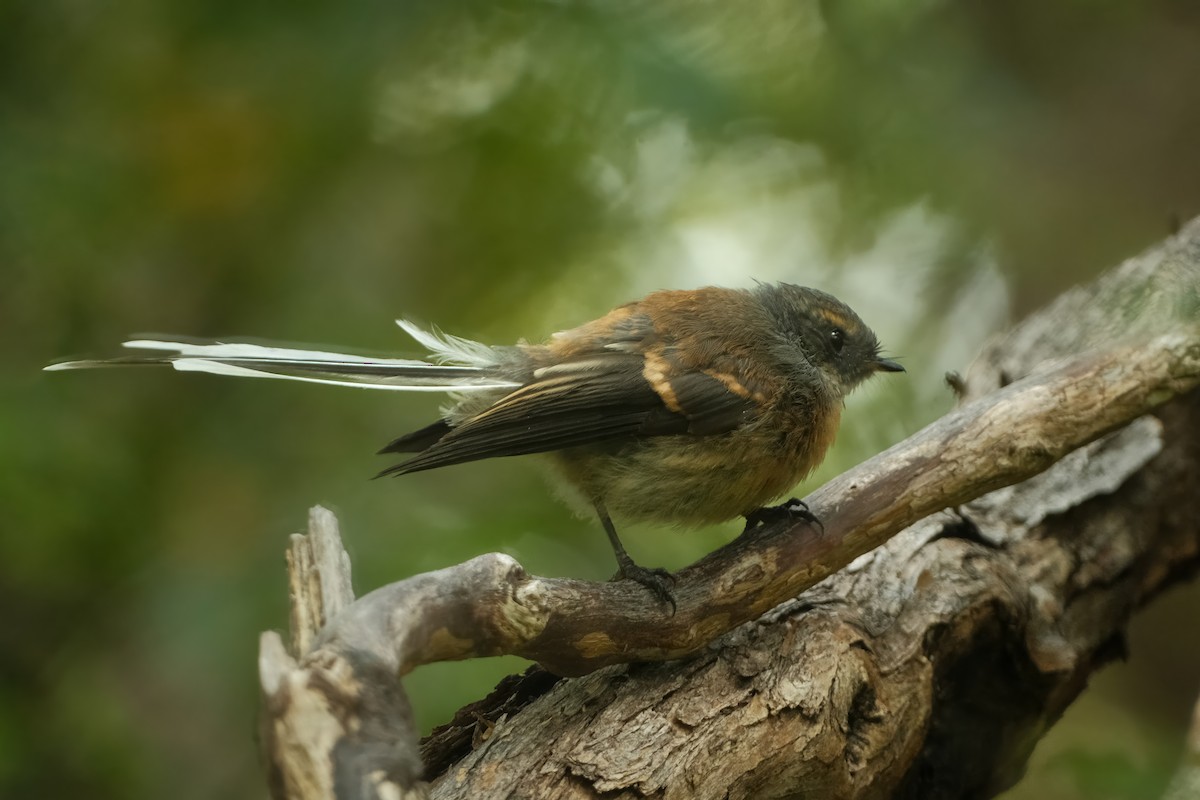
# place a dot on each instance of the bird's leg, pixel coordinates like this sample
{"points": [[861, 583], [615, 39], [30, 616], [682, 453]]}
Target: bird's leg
{"points": [[656, 579], [790, 511]]}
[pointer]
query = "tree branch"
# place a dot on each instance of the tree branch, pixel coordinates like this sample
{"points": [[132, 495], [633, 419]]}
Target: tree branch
{"points": [[847, 690]]}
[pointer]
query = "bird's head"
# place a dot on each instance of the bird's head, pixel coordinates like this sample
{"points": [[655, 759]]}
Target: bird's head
{"points": [[818, 331]]}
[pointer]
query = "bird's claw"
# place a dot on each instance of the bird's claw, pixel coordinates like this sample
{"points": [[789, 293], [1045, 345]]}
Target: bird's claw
{"points": [[658, 580], [793, 510]]}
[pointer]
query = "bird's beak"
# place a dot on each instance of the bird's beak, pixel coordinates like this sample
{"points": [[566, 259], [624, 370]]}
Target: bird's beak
{"points": [[887, 365]]}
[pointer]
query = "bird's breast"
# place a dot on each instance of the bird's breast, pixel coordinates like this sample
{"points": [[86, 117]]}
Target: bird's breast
{"points": [[697, 480]]}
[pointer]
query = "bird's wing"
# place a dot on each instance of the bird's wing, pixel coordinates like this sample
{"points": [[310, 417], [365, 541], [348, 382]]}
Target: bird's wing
{"points": [[599, 399]]}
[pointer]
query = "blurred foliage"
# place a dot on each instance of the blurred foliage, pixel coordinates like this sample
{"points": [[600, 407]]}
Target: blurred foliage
{"points": [[506, 168]]}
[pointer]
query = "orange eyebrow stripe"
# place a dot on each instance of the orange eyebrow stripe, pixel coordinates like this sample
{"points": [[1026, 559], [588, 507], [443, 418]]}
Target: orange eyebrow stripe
{"points": [[835, 319]]}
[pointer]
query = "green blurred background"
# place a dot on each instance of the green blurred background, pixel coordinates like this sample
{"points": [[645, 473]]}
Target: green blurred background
{"points": [[308, 171]]}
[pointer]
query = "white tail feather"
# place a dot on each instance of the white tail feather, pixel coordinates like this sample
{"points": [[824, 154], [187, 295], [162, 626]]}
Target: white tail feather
{"points": [[449, 349], [310, 366], [258, 351], [221, 368]]}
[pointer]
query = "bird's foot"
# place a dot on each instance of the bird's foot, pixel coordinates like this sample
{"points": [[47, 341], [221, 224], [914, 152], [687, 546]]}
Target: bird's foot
{"points": [[658, 580], [791, 511]]}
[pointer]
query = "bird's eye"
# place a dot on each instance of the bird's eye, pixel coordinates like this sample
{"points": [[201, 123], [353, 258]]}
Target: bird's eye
{"points": [[837, 337]]}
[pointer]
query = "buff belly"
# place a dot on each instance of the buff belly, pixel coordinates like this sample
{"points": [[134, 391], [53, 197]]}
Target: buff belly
{"points": [[683, 480]]}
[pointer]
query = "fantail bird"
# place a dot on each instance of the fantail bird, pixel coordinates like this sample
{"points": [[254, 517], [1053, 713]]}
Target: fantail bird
{"points": [[686, 407]]}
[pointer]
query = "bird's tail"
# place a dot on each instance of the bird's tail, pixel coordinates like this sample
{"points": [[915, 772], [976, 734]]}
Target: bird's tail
{"points": [[455, 365]]}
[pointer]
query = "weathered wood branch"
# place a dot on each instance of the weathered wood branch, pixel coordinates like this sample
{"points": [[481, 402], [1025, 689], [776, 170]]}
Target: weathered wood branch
{"points": [[865, 684], [573, 627], [340, 725]]}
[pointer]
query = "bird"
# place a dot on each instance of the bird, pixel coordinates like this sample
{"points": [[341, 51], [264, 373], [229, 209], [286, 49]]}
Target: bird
{"points": [[688, 407]]}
